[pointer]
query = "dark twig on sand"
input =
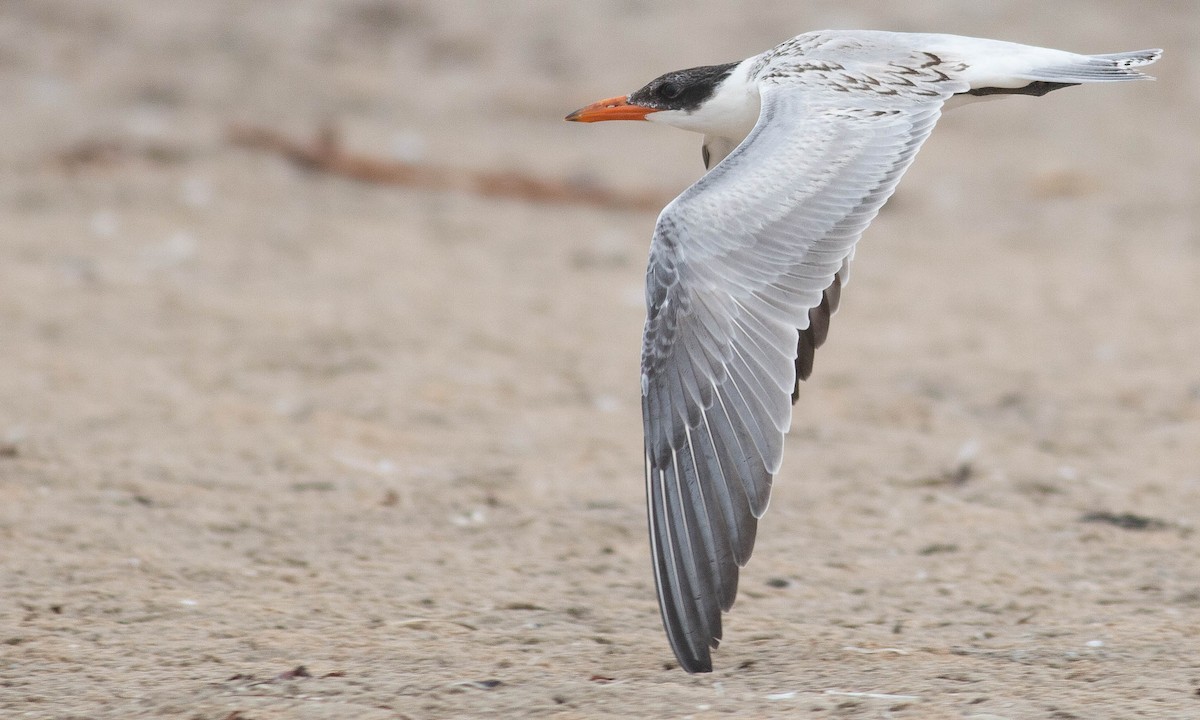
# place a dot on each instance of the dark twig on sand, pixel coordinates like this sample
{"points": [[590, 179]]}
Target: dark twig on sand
{"points": [[325, 154]]}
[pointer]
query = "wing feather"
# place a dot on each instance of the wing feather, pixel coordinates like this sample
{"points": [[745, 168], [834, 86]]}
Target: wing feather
{"points": [[746, 268]]}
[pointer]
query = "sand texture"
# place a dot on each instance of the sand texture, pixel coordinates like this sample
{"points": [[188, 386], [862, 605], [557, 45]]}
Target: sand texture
{"points": [[276, 443]]}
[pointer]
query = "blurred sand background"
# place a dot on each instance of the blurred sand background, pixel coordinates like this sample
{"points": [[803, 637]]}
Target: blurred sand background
{"points": [[254, 418]]}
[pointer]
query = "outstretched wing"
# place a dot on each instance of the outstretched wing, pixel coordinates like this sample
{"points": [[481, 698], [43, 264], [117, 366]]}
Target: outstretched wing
{"points": [[745, 269]]}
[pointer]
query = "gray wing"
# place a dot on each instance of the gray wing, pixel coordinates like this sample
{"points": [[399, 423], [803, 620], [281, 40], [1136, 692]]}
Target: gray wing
{"points": [[745, 269]]}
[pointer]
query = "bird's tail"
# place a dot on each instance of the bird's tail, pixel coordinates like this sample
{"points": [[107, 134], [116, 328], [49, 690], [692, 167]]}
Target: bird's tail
{"points": [[1097, 68]]}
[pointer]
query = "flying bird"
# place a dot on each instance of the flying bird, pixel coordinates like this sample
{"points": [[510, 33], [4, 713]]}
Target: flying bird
{"points": [[803, 144]]}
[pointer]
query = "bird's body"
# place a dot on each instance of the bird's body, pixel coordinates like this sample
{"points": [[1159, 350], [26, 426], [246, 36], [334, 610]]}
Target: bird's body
{"points": [[805, 142]]}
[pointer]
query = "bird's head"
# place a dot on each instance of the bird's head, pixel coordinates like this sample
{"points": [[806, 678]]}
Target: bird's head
{"points": [[714, 100]]}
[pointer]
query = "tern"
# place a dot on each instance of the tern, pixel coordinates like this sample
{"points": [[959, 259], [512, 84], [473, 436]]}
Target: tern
{"points": [[803, 143]]}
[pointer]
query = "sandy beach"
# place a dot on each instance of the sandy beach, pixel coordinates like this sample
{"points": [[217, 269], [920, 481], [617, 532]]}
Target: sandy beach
{"points": [[279, 443]]}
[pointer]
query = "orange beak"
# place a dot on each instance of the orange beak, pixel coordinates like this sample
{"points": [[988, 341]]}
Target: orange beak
{"points": [[617, 108]]}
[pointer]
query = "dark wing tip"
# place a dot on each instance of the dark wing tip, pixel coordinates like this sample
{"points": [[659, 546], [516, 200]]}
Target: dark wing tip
{"points": [[692, 649], [701, 664], [693, 657], [1037, 88]]}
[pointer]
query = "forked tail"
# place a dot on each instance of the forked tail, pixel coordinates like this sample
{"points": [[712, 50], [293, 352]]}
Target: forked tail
{"points": [[1098, 68]]}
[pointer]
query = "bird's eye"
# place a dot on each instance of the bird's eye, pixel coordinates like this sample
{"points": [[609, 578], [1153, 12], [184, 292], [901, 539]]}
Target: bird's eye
{"points": [[669, 91]]}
